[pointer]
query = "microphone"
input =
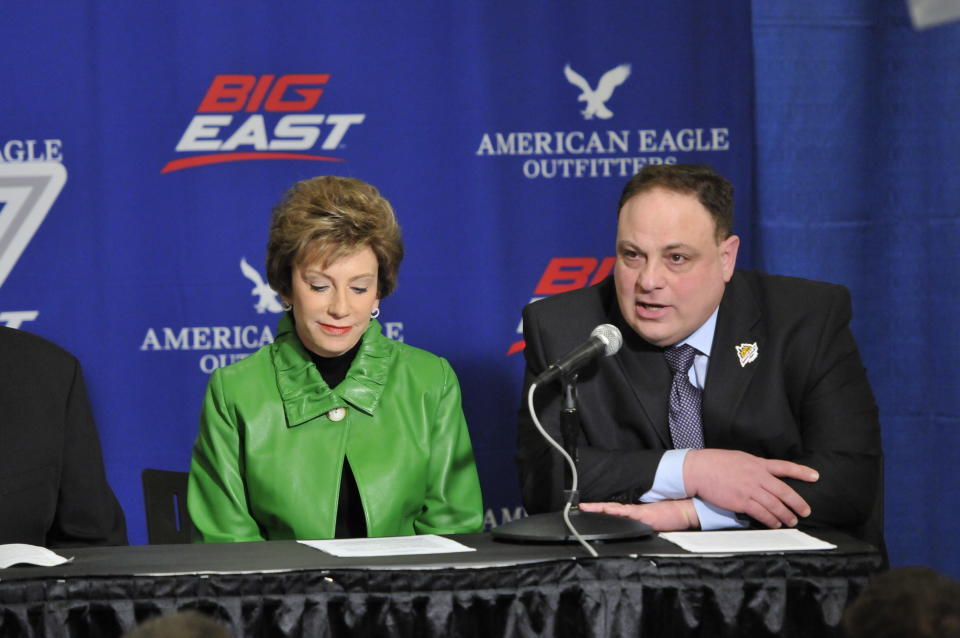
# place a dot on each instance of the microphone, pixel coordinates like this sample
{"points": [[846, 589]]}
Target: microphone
{"points": [[604, 340]]}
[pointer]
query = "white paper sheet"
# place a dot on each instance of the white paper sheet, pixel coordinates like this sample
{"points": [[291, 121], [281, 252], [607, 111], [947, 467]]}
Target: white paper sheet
{"points": [[389, 546], [23, 554], [746, 541]]}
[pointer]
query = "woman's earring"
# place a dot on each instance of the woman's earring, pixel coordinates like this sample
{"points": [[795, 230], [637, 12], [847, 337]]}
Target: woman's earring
{"points": [[285, 306], [375, 313]]}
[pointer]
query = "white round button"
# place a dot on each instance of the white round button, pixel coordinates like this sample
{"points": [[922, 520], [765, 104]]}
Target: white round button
{"points": [[337, 414]]}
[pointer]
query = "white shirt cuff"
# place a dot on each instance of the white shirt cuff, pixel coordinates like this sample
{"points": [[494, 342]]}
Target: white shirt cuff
{"points": [[713, 517], [668, 481]]}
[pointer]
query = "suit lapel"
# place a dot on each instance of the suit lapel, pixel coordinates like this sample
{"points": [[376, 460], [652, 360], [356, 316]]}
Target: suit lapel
{"points": [[738, 322], [645, 371]]}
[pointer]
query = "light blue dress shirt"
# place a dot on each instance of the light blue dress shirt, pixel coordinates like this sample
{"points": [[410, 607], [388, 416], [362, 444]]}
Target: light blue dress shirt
{"points": [[668, 481]]}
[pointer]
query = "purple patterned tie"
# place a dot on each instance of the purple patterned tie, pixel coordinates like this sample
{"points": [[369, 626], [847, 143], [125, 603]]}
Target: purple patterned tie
{"points": [[685, 426]]}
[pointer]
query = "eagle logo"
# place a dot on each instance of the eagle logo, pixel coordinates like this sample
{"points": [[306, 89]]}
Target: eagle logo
{"points": [[596, 99], [266, 297]]}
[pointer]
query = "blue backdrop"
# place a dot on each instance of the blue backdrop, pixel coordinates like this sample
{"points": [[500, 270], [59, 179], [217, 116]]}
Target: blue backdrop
{"points": [[142, 146], [858, 145]]}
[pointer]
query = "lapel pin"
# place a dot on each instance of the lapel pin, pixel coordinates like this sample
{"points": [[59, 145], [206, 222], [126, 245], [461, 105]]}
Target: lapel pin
{"points": [[747, 352]]}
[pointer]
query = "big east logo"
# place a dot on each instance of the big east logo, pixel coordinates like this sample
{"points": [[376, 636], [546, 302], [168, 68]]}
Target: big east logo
{"points": [[249, 117], [563, 274]]}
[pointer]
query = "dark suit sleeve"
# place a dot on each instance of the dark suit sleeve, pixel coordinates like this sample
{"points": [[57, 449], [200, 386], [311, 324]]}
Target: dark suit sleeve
{"points": [[840, 428], [541, 472], [608, 469], [87, 511]]}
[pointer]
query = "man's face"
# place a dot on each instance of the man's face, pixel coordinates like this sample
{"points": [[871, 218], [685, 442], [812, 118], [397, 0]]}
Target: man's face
{"points": [[670, 271]]}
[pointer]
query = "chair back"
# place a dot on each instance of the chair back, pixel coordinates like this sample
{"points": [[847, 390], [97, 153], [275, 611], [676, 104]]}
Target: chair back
{"points": [[165, 500]]}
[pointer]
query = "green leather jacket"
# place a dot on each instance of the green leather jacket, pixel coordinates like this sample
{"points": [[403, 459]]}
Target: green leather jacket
{"points": [[268, 459]]}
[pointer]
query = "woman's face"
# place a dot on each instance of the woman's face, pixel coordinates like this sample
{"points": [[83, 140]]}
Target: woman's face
{"points": [[332, 305]]}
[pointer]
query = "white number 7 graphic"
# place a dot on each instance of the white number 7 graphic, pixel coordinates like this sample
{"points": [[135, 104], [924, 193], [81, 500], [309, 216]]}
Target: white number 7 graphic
{"points": [[27, 191]]}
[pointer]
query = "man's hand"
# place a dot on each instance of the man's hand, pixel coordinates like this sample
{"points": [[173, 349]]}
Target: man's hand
{"points": [[663, 516], [748, 484]]}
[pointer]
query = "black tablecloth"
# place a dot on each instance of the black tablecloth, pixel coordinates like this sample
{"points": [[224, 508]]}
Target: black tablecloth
{"points": [[648, 587]]}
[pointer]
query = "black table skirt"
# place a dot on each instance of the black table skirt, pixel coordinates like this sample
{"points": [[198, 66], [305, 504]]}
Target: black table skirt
{"points": [[500, 590]]}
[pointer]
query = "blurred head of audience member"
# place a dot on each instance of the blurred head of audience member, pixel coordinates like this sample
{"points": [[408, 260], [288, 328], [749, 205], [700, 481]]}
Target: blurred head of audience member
{"points": [[180, 624], [906, 601]]}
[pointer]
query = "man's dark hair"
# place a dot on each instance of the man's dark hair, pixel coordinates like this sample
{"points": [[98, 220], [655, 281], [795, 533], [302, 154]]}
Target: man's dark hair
{"points": [[713, 191]]}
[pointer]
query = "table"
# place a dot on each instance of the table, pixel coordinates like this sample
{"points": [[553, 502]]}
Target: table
{"points": [[646, 587]]}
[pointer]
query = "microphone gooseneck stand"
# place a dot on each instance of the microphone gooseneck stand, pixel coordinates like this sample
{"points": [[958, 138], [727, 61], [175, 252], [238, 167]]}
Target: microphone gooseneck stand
{"points": [[571, 524]]}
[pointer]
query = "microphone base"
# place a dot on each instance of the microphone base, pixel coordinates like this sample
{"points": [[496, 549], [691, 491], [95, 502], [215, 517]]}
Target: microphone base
{"points": [[549, 527]]}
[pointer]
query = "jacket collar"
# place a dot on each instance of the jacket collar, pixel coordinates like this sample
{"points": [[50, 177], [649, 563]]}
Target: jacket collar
{"points": [[642, 365], [304, 393], [739, 322]]}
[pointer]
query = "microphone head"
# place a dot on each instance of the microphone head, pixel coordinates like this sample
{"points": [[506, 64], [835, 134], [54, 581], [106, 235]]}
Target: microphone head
{"points": [[610, 336]]}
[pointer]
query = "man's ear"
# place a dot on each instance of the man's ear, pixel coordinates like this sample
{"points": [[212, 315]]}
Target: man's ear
{"points": [[728, 256]]}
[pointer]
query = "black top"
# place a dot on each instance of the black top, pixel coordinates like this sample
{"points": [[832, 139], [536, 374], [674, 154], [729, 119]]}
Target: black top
{"points": [[351, 522]]}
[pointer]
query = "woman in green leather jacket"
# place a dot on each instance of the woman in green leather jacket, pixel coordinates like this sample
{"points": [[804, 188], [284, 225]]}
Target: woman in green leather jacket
{"points": [[333, 430]]}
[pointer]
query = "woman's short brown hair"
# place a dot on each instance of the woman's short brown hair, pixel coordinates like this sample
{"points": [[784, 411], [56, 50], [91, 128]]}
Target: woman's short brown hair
{"points": [[328, 218]]}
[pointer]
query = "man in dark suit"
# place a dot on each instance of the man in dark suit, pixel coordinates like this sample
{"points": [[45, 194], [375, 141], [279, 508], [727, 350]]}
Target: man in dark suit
{"points": [[53, 491], [783, 419]]}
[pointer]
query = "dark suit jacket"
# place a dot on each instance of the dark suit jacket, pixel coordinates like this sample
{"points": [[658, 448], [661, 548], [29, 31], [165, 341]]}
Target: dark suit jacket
{"points": [[53, 491], [805, 398]]}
